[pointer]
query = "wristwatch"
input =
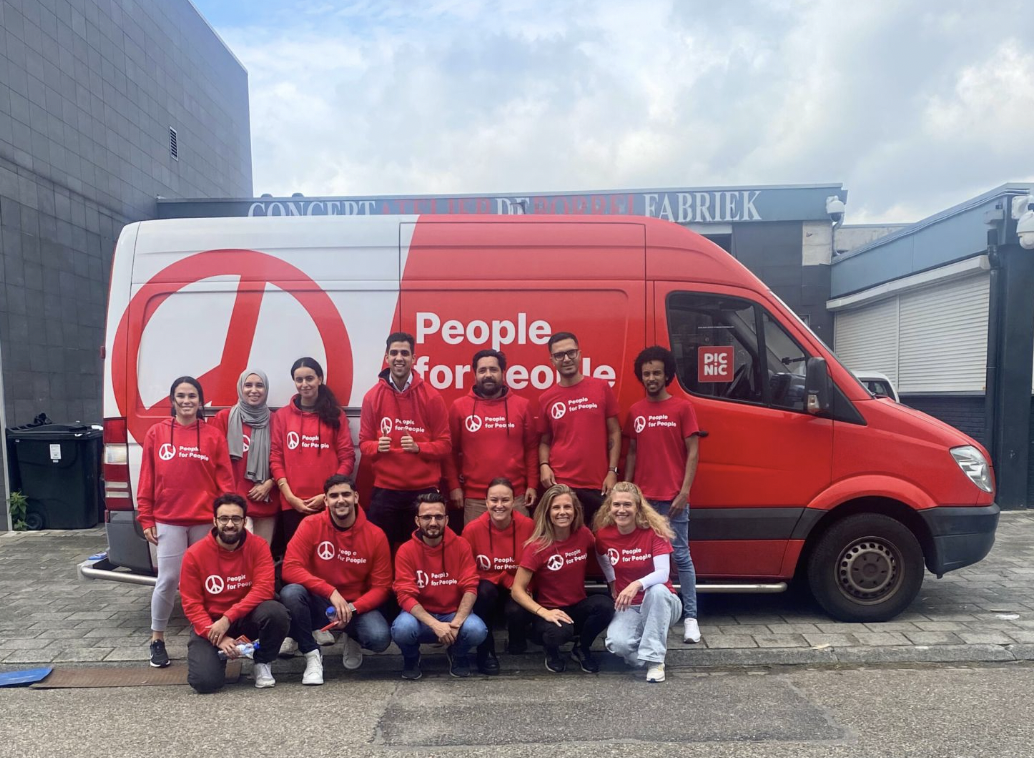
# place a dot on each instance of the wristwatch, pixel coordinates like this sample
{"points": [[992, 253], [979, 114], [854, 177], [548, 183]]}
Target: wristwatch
{"points": [[613, 468]]}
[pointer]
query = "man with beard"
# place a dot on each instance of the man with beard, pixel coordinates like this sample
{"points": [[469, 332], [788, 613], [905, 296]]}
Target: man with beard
{"points": [[404, 434], [337, 559], [436, 583], [226, 585], [662, 459], [493, 435], [581, 436]]}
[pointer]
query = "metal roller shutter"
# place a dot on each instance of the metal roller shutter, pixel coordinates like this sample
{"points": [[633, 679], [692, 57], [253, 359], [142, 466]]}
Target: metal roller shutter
{"points": [[867, 338]]}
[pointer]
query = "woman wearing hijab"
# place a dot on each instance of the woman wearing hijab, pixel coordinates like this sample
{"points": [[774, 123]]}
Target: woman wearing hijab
{"points": [[246, 427]]}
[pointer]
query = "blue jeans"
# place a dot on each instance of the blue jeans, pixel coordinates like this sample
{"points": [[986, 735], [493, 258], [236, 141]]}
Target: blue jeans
{"points": [[683, 561], [309, 611], [408, 633]]}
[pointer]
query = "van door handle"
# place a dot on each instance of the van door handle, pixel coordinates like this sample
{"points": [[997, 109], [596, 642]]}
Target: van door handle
{"points": [[701, 433]]}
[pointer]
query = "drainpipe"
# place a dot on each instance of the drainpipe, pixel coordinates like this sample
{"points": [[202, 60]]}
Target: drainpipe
{"points": [[993, 326]]}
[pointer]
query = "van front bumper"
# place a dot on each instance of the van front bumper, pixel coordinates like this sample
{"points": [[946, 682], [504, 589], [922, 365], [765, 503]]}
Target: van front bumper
{"points": [[962, 535]]}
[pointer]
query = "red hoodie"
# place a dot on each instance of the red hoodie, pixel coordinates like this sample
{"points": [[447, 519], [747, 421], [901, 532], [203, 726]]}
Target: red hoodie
{"points": [[418, 411], [242, 485], [497, 552], [183, 469], [216, 582], [356, 561], [491, 438], [435, 577], [307, 452]]}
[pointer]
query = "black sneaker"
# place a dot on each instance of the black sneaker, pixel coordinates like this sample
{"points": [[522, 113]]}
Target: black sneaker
{"points": [[586, 660], [459, 665], [554, 662], [159, 657], [488, 664], [516, 647], [411, 668]]}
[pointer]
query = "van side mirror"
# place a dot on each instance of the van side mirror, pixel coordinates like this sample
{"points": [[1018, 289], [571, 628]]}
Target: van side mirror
{"points": [[817, 387]]}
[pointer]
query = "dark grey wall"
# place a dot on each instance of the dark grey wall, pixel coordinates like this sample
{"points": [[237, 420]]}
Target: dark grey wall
{"points": [[772, 251], [88, 91]]}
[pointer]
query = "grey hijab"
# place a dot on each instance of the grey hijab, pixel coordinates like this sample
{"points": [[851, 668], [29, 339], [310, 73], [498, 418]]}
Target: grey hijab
{"points": [[258, 419]]}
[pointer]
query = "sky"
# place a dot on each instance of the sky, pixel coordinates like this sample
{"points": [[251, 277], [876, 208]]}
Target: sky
{"points": [[912, 106]]}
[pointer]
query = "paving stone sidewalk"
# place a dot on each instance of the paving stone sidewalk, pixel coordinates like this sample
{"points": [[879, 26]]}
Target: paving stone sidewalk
{"points": [[982, 613]]}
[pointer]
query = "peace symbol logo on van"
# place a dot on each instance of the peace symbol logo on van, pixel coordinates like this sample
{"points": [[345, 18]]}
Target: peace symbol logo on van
{"points": [[386, 426], [555, 563], [167, 452], [326, 550], [215, 584], [473, 423], [639, 424], [254, 274], [614, 556], [292, 440], [558, 409]]}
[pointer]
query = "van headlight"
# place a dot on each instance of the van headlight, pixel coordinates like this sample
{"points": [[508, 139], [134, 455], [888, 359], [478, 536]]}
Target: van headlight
{"points": [[973, 465]]}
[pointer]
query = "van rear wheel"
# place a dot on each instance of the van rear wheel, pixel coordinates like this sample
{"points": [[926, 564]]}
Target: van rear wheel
{"points": [[866, 567]]}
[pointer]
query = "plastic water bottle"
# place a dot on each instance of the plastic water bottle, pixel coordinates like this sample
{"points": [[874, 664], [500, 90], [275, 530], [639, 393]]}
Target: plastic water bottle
{"points": [[244, 650], [331, 613]]}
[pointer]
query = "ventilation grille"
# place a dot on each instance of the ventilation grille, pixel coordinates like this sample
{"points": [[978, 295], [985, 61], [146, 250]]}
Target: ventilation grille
{"points": [[173, 145]]}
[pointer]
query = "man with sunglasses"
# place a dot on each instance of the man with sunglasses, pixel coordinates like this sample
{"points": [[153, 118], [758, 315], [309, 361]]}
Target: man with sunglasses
{"points": [[581, 436], [436, 583], [226, 585]]}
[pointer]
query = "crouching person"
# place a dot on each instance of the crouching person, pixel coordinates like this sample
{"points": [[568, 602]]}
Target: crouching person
{"points": [[226, 584], [633, 546], [436, 582], [337, 561]]}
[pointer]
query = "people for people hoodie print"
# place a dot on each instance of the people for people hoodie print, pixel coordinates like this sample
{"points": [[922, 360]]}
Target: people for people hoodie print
{"points": [[306, 451], [356, 561], [183, 469], [437, 577], [216, 582], [418, 411]]}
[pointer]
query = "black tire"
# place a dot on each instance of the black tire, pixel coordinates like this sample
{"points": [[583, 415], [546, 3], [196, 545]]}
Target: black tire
{"points": [[866, 567], [34, 521]]}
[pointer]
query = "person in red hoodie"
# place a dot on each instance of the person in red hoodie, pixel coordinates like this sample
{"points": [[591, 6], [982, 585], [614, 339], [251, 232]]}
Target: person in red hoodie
{"points": [[404, 432], [310, 441], [497, 540], [338, 561], [436, 584], [184, 466], [227, 590], [247, 429], [493, 434]]}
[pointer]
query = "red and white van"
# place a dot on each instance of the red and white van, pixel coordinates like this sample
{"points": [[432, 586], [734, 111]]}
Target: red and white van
{"points": [[802, 472]]}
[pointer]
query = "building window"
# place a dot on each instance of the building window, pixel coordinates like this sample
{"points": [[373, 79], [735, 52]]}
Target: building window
{"points": [[173, 145]]}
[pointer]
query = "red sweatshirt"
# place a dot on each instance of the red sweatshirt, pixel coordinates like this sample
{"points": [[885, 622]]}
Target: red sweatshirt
{"points": [[242, 485], [183, 469], [307, 452], [418, 411], [435, 577], [356, 561], [216, 582], [497, 552], [492, 438]]}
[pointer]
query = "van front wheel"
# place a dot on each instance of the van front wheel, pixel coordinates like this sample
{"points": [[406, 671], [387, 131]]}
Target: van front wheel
{"points": [[866, 567]]}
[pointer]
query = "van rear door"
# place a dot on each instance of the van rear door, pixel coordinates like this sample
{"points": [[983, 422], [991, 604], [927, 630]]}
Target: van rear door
{"points": [[764, 457]]}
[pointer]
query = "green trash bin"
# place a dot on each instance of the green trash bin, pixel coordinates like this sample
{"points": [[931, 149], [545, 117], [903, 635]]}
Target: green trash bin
{"points": [[58, 469]]}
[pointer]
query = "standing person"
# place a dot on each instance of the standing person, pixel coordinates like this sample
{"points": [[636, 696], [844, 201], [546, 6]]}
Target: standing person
{"points": [[404, 431], [310, 442], [581, 436], [227, 590], [338, 560], [493, 435], [247, 429], [633, 546], [184, 467], [662, 459], [556, 557], [436, 584], [497, 540]]}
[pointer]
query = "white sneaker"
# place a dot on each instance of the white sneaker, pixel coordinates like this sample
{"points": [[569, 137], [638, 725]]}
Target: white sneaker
{"points": [[655, 673], [352, 657], [322, 637], [288, 646], [263, 676], [691, 632], [313, 668]]}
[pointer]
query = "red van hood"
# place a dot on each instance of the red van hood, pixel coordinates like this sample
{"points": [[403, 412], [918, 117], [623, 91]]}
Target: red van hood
{"points": [[884, 412]]}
